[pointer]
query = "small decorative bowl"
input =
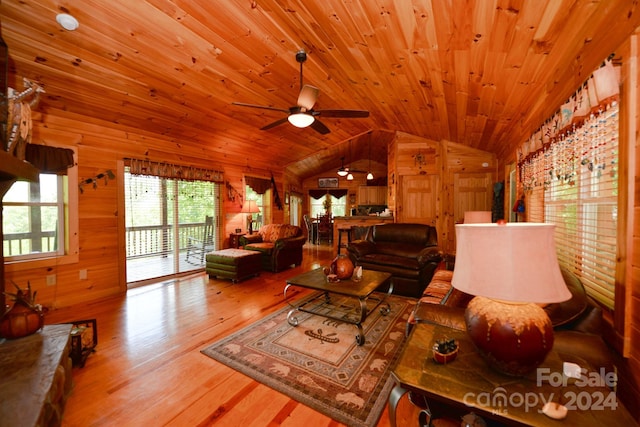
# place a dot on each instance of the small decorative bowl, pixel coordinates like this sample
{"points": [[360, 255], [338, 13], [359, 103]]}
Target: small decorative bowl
{"points": [[444, 358], [332, 278]]}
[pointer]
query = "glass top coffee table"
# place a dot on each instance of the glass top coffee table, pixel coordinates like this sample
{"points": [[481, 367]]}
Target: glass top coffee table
{"points": [[361, 295]]}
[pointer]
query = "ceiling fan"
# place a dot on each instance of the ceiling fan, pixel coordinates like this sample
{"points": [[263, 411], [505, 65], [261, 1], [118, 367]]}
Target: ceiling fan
{"points": [[345, 171], [302, 114]]}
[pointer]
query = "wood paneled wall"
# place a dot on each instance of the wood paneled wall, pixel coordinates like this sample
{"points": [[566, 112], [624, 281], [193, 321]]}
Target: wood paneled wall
{"points": [[445, 164], [100, 145], [627, 315]]}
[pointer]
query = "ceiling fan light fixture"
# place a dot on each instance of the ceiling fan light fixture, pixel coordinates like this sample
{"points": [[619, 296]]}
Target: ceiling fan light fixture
{"points": [[350, 177], [369, 176], [301, 120], [342, 172]]}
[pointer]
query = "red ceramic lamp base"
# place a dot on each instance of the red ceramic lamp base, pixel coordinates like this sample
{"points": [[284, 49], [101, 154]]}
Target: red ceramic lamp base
{"points": [[513, 338]]}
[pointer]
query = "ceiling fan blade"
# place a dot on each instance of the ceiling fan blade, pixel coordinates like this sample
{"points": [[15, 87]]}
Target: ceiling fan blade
{"points": [[264, 107], [343, 113], [319, 127], [308, 96], [274, 124]]}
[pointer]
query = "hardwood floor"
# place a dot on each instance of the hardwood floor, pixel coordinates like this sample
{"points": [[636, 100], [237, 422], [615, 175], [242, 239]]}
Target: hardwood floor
{"points": [[148, 370]]}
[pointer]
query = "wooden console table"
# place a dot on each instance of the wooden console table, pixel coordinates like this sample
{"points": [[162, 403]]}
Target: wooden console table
{"points": [[356, 221], [36, 377], [468, 385]]}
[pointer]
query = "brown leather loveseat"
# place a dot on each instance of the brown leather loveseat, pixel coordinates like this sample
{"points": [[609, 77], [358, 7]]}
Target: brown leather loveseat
{"points": [[279, 244], [409, 252]]}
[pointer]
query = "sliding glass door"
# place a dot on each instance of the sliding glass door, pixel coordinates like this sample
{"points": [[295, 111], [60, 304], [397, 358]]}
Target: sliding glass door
{"points": [[170, 225]]}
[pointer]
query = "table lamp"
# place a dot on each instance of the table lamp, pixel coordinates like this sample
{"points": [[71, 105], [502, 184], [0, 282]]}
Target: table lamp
{"points": [[511, 269], [477, 217], [250, 207]]}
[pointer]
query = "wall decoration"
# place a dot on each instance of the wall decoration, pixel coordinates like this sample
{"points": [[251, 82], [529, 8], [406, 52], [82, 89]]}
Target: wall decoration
{"points": [[107, 175], [276, 196], [328, 182], [19, 127], [232, 193], [419, 159]]}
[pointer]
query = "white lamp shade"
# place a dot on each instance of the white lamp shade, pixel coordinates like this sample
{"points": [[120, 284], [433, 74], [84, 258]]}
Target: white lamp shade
{"points": [[301, 120], [477, 217], [514, 262], [250, 207]]}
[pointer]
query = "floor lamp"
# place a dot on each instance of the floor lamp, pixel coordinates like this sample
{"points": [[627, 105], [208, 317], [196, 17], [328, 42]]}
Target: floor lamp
{"points": [[249, 208]]}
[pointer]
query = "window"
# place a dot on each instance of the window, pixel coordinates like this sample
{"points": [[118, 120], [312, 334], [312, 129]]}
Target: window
{"points": [[166, 224], [333, 201], [258, 219], [574, 184], [35, 223], [319, 206], [260, 190]]}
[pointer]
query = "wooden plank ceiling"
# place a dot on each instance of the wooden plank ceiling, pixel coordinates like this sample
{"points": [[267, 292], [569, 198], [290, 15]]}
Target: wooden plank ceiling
{"points": [[483, 73]]}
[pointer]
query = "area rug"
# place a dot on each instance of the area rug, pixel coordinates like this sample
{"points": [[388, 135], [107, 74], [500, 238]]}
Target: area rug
{"points": [[318, 362]]}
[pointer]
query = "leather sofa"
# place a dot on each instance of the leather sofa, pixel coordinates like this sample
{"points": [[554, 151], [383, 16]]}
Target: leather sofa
{"points": [[409, 252], [279, 244], [577, 322]]}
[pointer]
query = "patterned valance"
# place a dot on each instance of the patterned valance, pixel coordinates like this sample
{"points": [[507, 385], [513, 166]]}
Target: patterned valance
{"points": [[259, 185], [335, 192], [171, 171], [594, 96]]}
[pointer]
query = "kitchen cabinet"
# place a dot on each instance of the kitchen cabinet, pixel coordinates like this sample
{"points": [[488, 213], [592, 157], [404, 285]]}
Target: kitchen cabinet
{"points": [[372, 195]]}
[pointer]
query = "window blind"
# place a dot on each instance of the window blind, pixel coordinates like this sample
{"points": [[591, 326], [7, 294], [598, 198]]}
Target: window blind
{"points": [[573, 183]]}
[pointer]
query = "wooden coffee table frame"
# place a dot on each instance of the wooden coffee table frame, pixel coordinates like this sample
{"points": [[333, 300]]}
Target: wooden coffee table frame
{"points": [[364, 301]]}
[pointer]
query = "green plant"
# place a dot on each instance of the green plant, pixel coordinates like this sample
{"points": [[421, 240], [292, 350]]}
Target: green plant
{"points": [[446, 346], [327, 203]]}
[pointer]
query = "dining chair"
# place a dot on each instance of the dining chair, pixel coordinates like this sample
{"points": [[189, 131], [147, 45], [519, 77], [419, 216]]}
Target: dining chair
{"points": [[312, 230], [325, 228]]}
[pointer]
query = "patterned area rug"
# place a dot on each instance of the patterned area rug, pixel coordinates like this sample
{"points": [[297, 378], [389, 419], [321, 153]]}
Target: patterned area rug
{"points": [[318, 362]]}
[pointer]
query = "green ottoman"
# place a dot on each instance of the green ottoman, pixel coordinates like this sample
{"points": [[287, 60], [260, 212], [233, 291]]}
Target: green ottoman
{"points": [[234, 264]]}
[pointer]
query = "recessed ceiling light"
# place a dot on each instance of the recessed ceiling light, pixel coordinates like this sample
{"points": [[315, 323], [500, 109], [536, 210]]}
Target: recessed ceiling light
{"points": [[67, 21]]}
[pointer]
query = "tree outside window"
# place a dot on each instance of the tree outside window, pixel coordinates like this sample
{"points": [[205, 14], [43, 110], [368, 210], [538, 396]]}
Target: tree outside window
{"points": [[34, 222]]}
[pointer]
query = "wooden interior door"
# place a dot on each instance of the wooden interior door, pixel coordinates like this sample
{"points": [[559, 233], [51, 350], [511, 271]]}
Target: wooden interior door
{"points": [[472, 192], [419, 199]]}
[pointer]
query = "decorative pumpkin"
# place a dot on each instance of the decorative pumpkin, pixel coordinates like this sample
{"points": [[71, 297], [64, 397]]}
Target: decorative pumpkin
{"points": [[24, 318], [342, 266]]}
